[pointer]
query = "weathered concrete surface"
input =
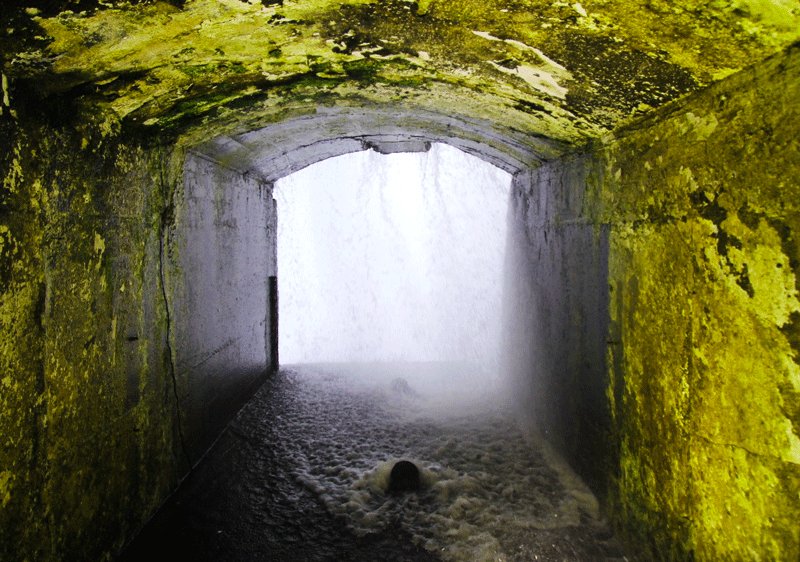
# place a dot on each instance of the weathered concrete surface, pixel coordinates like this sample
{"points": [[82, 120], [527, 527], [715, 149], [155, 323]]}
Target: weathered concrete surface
{"points": [[126, 296], [690, 217], [302, 139], [87, 437], [222, 243], [565, 71], [700, 202], [704, 203], [556, 313]]}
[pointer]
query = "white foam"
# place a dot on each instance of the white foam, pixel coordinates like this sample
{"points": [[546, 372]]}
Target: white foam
{"points": [[486, 486]]}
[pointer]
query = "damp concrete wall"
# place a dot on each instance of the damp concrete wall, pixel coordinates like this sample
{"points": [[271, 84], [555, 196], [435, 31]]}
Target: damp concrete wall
{"points": [[658, 264], [88, 443], [223, 253], [658, 321], [556, 313], [124, 295], [704, 206]]}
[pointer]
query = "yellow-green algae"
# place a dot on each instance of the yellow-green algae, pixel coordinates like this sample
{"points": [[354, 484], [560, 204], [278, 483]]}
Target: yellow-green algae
{"points": [[143, 61], [702, 201], [80, 452], [704, 388]]}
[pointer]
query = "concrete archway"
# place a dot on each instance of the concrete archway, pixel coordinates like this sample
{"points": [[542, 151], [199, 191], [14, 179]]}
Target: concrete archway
{"points": [[543, 294]]}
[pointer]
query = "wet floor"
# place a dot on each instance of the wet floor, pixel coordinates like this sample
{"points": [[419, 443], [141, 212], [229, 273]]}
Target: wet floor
{"points": [[302, 474]]}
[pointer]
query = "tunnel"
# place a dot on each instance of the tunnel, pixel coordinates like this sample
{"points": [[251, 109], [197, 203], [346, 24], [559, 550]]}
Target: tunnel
{"points": [[650, 280]]}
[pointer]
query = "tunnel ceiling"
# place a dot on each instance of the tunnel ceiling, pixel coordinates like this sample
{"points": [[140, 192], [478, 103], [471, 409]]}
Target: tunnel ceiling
{"points": [[559, 72]]}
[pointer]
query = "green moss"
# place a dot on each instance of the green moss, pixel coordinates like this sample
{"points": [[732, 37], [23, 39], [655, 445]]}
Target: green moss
{"points": [[68, 484], [6, 477]]}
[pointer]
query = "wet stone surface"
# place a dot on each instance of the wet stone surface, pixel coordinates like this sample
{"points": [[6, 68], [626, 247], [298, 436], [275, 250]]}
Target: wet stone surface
{"points": [[303, 473]]}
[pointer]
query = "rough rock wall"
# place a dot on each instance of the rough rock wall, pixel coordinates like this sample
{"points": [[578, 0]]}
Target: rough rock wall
{"points": [[704, 204], [87, 411], [223, 249]]}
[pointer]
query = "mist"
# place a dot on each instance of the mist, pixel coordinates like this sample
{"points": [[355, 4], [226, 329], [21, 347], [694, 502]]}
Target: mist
{"points": [[392, 258]]}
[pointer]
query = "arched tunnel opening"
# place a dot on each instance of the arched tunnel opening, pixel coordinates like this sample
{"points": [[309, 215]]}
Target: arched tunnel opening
{"points": [[430, 314], [398, 272], [649, 280]]}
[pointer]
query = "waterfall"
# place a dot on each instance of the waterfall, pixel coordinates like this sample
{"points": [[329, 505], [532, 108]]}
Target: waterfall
{"points": [[392, 258]]}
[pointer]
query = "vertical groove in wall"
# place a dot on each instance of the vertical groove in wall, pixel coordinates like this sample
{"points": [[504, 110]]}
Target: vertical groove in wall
{"points": [[167, 218]]}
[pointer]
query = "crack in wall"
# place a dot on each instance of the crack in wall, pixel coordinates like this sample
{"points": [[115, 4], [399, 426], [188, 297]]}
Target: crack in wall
{"points": [[165, 220], [205, 357], [736, 446]]}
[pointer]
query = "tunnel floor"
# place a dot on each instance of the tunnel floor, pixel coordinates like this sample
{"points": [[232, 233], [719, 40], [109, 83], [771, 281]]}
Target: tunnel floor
{"points": [[301, 474]]}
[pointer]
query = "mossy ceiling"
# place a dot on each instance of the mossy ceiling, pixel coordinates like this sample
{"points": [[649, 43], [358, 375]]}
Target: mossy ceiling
{"points": [[562, 70]]}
